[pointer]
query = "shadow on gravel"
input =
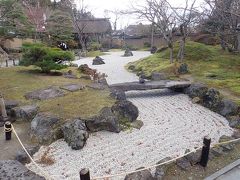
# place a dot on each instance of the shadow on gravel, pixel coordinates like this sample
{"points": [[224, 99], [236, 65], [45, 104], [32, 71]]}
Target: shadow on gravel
{"points": [[151, 93]]}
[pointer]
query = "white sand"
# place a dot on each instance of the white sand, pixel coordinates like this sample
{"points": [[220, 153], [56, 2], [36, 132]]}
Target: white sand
{"points": [[172, 124]]}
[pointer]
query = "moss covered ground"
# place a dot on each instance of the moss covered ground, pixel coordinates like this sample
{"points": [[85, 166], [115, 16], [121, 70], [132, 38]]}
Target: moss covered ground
{"points": [[207, 64]]}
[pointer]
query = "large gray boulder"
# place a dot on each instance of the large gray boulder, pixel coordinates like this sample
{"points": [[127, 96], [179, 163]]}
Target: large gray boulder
{"points": [[98, 61], [11, 170], [24, 112], [125, 110], [105, 121], [228, 108], [141, 175], [117, 94], [43, 94], [196, 90], [212, 99], [75, 134], [22, 156], [45, 128]]}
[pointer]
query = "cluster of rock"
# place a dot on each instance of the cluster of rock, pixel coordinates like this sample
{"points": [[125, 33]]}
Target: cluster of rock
{"points": [[98, 61], [184, 163], [213, 100]]}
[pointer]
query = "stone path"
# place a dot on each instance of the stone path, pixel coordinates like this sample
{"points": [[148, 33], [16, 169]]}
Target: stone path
{"points": [[172, 124]]}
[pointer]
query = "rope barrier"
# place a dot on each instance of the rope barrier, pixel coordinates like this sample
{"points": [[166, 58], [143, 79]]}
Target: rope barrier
{"points": [[146, 168], [166, 162], [46, 175]]}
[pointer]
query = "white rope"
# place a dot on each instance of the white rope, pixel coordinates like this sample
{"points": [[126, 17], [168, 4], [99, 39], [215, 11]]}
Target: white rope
{"points": [[146, 168], [46, 175], [166, 162]]}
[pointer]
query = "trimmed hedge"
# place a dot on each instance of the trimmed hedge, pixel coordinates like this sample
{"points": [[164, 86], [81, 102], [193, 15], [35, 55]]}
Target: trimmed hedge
{"points": [[44, 57]]}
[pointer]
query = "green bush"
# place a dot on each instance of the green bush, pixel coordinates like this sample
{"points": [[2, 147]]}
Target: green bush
{"points": [[94, 46], [44, 57], [147, 44]]}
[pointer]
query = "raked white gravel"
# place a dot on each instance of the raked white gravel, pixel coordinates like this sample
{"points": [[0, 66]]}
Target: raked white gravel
{"points": [[172, 124]]}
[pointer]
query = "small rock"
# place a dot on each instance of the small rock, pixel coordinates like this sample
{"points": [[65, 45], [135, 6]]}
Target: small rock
{"points": [[194, 157], [196, 90], [183, 69], [183, 163], [153, 50], [105, 121], [158, 76], [75, 134], [228, 108], [23, 158], [24, 112], [132, 67], [141, 175], [236, 134], [45, 129], [227, 147], [43, 94], [128, 53], [217, 151], [98, 61], [162, 169], [196, 100], [73, 87], [9, 104], [137, 124], [11, 169], [117, 94], [212, 100]]}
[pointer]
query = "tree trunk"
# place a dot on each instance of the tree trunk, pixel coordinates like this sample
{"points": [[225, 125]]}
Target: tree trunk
{"points": [[238, 40], [171, 54], [183, 42]]}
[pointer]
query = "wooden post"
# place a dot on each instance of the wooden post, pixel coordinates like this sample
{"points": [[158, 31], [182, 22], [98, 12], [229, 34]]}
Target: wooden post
{"points": [[14, 64], [205, 151], [8, 130], [3, 108], [6, 63], [84, 174]]}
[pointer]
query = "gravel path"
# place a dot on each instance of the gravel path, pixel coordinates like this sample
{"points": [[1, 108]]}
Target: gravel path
{"points": [[172, 124], [114, 66]]}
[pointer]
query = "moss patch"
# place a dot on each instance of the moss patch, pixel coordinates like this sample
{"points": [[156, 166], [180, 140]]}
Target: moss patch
{"points": [[207, 64], [16, 82]]}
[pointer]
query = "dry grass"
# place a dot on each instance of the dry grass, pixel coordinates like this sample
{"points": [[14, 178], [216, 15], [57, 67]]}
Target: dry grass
{"points": [[46, 159]]}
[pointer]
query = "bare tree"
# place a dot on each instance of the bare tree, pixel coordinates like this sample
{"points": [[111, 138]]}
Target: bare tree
{"points": [[223, 20], [159, 13], [116, 16], [186, 16]]}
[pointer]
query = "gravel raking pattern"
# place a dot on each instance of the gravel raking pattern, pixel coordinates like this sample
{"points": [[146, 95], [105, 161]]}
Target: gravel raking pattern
{"points": [[172, 124]]}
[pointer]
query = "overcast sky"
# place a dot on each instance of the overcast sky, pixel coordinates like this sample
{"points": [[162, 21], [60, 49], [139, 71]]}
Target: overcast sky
{"points": [[97, 7]]}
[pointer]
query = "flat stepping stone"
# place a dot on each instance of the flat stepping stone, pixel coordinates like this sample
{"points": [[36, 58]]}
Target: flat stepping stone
{"points": [[97, 86], [73, 87], [43, 94]]}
